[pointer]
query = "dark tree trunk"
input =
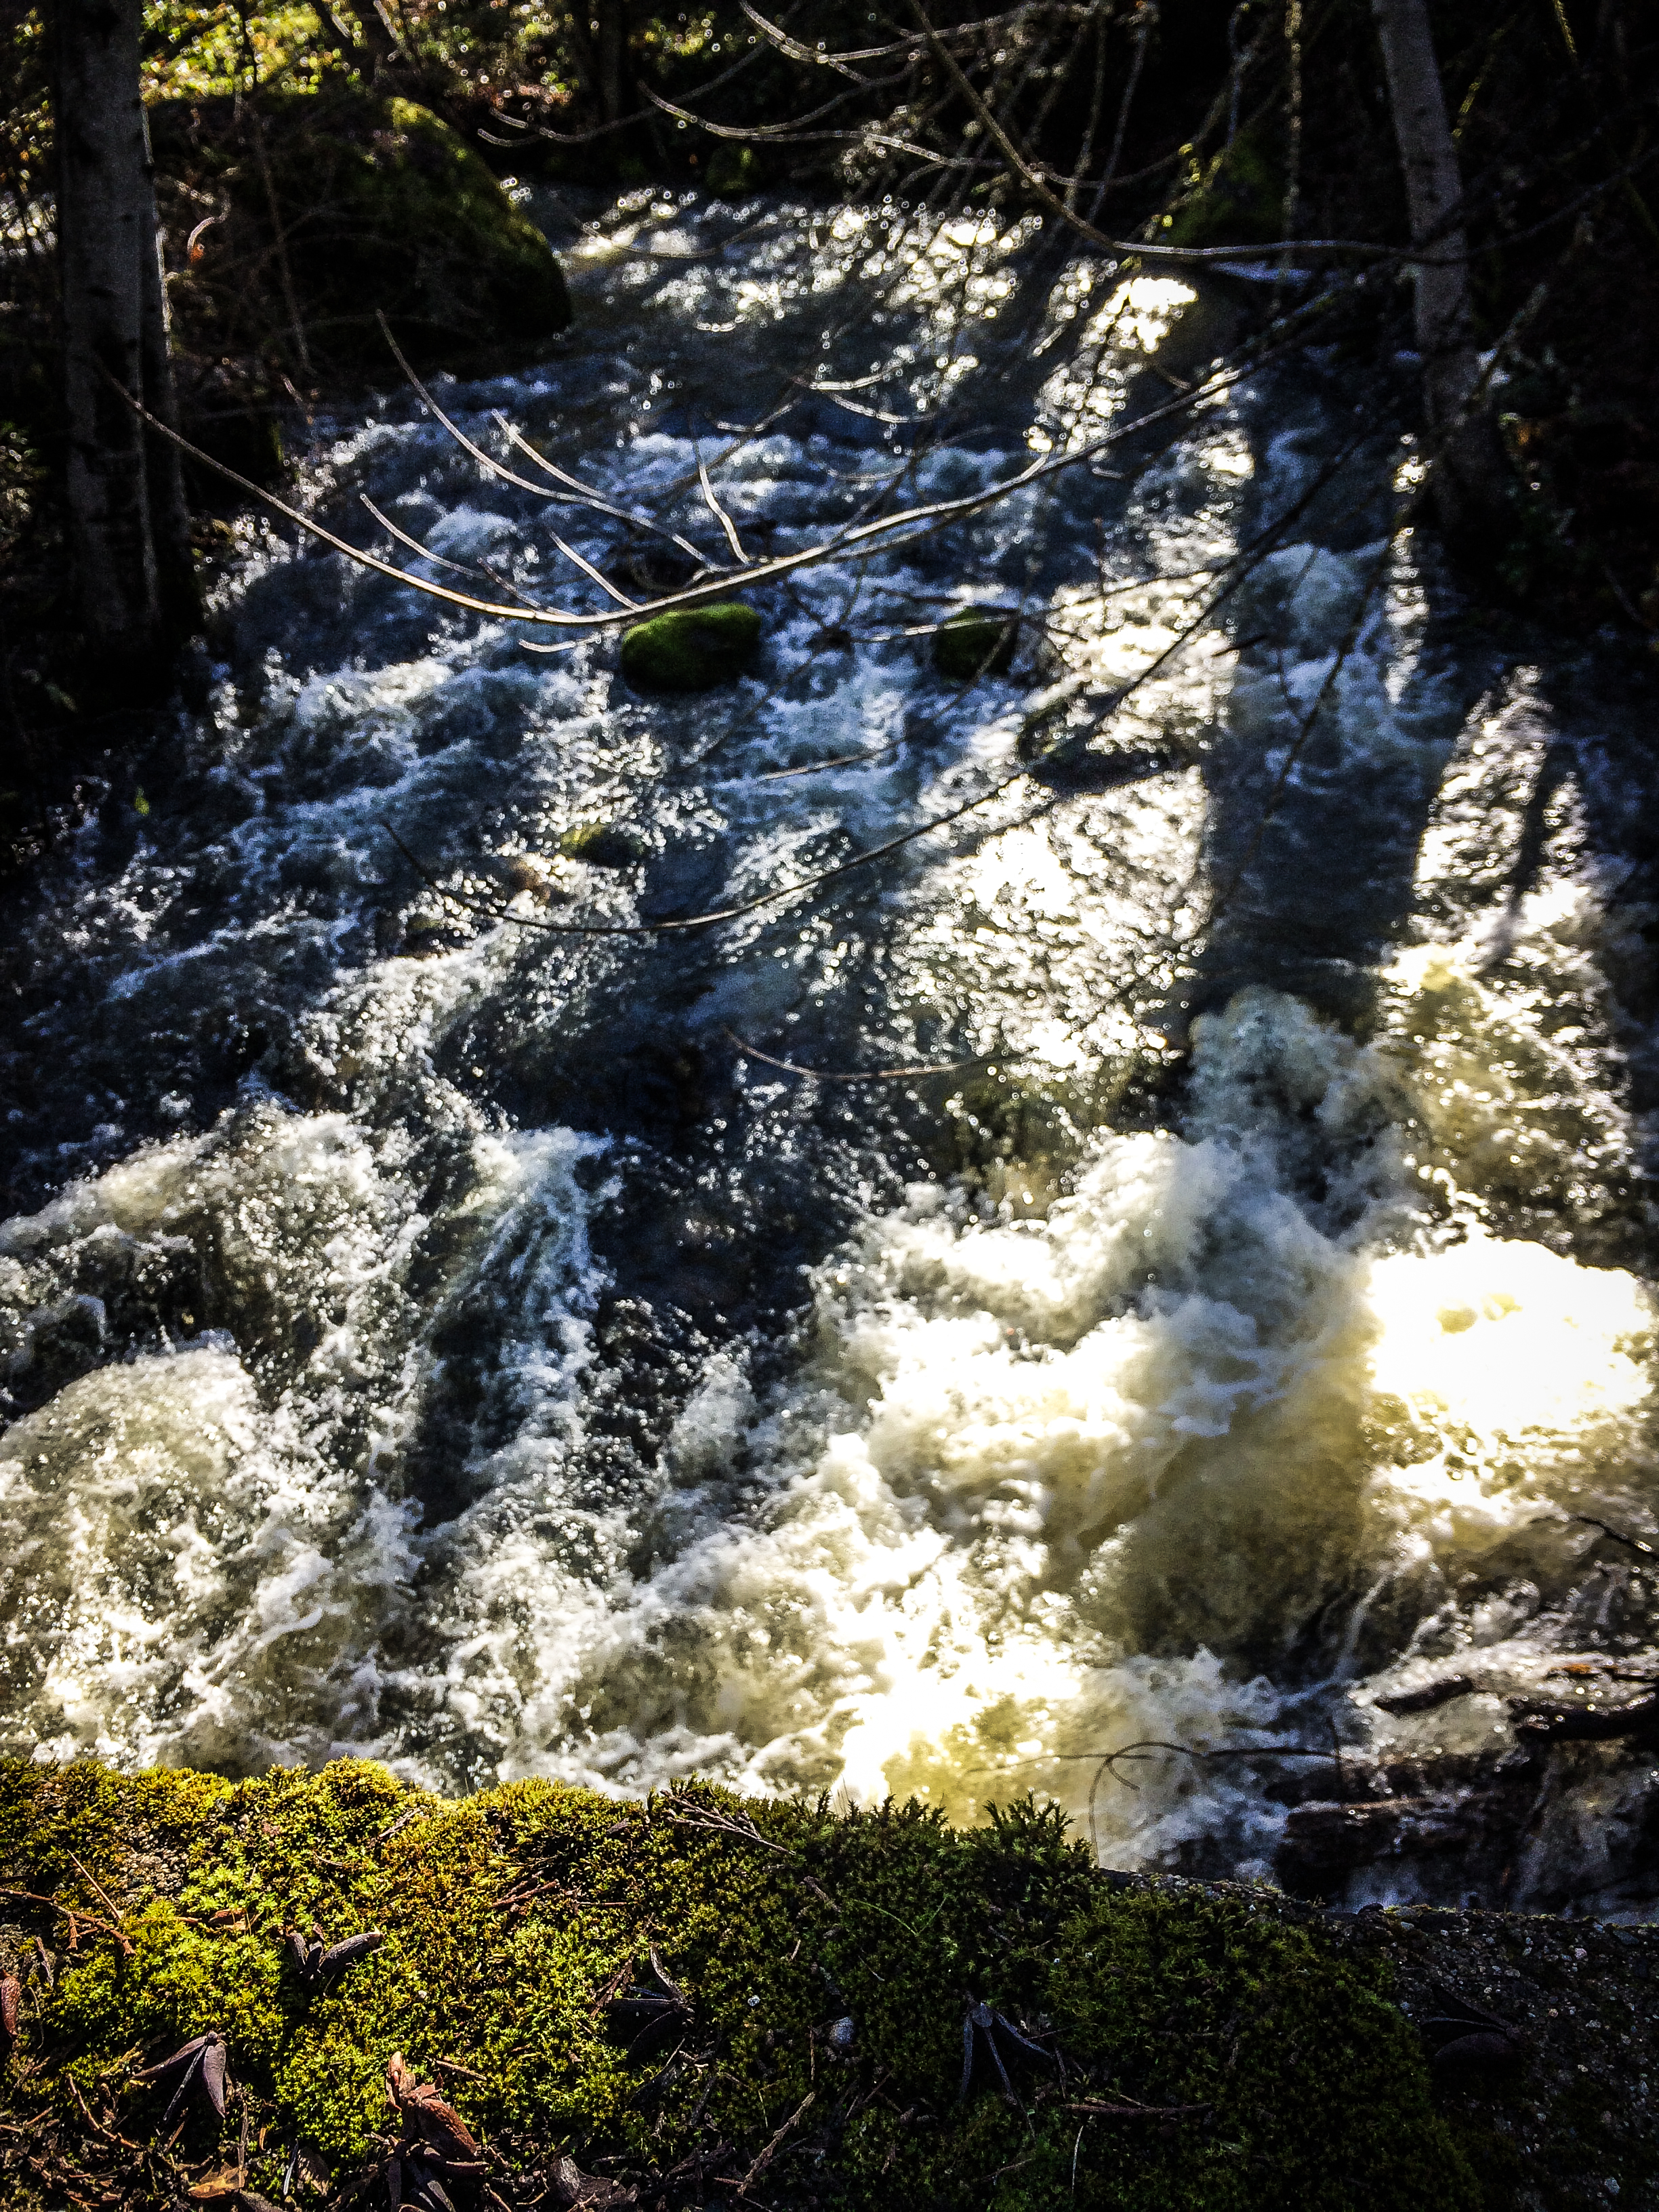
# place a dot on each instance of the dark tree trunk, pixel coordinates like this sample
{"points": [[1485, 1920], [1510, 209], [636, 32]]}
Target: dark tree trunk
{"points": [[128, 524], [599, 42], [1472, 477], [164, 476], [617, 93]]}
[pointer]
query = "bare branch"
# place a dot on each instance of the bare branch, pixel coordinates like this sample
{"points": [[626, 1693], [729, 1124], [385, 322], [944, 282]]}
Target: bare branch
{"points": [[414, 544], [720, 513], [584, 494]]}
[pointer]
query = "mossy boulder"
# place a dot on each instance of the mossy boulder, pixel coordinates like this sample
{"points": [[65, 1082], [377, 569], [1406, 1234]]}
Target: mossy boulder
{"points": [[601, 845], [976, 642], [338, 206], [816, 1968], [692, 648]]}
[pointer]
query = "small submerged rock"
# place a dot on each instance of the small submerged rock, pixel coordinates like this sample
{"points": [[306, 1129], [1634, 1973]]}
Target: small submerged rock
{"points": [[691, 648], [976, 642], [602, 845]]}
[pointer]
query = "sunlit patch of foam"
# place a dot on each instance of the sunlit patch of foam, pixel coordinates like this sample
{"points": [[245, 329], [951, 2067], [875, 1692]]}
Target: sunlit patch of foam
{"points": [[113, 1501], [1503, 1338], [1023, 1424], [1506, 1381]]}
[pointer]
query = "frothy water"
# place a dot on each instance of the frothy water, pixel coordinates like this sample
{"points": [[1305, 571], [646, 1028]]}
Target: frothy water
{"points": [[436, 1338]]}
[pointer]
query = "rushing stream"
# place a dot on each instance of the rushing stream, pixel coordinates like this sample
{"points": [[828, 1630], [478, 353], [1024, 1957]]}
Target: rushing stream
{"points": [[440, 1338]]}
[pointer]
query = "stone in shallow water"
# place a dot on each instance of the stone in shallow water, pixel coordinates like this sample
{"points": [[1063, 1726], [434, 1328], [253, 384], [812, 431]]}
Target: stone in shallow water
{"points": [[692, 648], [976, 642], [601, 844]]}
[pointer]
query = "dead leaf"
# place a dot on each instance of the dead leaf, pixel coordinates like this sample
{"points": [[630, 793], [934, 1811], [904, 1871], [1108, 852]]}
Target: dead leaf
{"points": [[312, 2172], [225, 2183]]}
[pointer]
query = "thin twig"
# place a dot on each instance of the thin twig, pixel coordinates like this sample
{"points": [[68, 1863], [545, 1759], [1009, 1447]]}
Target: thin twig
{"points": [[770, 2150], [872, 1075], [1634, 1543]]}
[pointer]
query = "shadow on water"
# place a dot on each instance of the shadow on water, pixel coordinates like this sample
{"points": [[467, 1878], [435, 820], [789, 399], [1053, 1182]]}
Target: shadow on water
{"points": [[1324, 774]]}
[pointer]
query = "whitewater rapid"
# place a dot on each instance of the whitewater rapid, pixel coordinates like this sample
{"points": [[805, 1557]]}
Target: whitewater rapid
{"points": [[435, 1341]]}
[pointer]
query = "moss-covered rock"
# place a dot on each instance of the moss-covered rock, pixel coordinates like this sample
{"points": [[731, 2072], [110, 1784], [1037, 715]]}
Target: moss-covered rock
{"points": [[691, 649], [825, 1964], [338, 204], [976, 642], [601, 844]]}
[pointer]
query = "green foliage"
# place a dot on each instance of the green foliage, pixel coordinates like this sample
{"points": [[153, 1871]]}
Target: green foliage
{"points": [[691, 649], [510, 1916], [975, 641], [1238, 199], [193, 52], [733, 169]]}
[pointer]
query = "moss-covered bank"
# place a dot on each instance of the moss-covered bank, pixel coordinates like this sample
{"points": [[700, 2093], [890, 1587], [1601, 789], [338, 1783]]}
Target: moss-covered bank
{"points": [[329, 209], [517, 1969]]}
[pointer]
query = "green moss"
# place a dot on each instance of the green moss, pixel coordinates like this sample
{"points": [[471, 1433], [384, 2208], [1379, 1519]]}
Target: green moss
{"points": [[1238, 199], [602, 845], [976, 642], [510, 1916], [383, 207], [1214, 2002], [733, 170], [691, 649]]}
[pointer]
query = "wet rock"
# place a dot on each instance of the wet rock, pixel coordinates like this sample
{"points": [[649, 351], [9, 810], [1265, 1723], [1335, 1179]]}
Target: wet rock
{"points": [[528, 872], [692, 648], [1503, 1826], [1323, 1838], [976, 642], [601, 845], [1589, 1722], [1428, 1697]]}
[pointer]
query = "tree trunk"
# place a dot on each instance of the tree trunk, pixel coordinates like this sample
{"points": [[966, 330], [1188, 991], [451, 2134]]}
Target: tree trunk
{"points": [[128, 524], [1472, 477], [615, 75]]}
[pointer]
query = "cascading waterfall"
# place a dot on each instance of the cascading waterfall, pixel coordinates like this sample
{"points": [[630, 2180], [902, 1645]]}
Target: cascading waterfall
{"points": [[438, 1340]]}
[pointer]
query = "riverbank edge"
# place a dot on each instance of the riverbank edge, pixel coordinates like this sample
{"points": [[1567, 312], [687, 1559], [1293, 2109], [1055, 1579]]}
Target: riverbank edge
{"points": [[661, 2001]]}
